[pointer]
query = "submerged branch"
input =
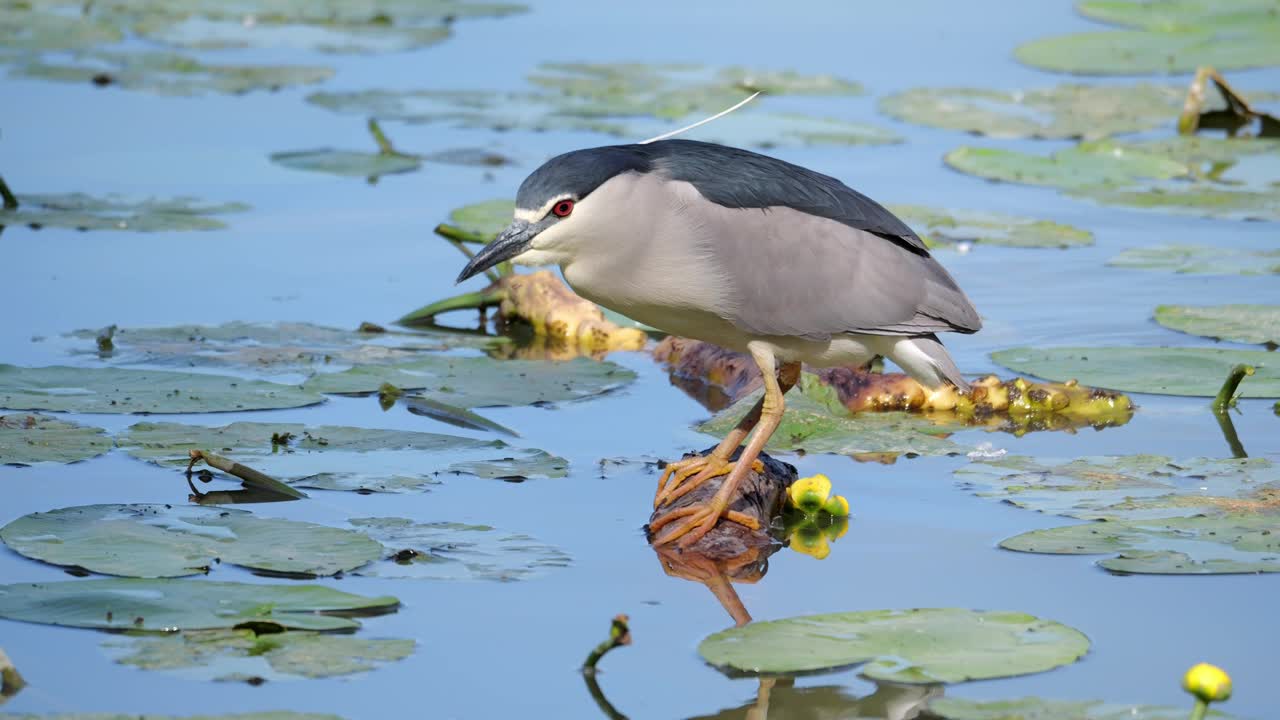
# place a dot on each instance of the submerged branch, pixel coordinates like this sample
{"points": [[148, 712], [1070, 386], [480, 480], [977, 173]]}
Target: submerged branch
{"points": [[247, 474], [1227, 395], [619, 634]]}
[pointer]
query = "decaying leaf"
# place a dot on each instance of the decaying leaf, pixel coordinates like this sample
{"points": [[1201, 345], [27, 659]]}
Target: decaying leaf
{"points": [[10, 680]]}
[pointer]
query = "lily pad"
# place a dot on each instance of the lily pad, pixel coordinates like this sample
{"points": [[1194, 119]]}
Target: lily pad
{"points": [[263, 348], [157, 541], [1034, 708], [943, 228], [1202, 545], [1085, 165], [348, 163], [1259, 324], [1200, 260], [27, 439], [23, 30], [112, 212], [456, 551], [928, 645], [333, 457], [1175, 36], [471, 382], [629, 100], [269, 715], [808, 425], [485, 218], [170, 605], [1126, 487], [1089, 112], [228, 654], [118, 390], [1157, 370], [169, 74]]}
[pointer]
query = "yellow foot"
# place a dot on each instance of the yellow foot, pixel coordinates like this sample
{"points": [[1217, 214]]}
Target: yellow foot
{"points": [[696, 520], [684, 476]]}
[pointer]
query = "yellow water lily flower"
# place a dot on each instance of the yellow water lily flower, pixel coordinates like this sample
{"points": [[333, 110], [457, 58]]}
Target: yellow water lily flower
{"points": [[1208, 683], [809, 494]]}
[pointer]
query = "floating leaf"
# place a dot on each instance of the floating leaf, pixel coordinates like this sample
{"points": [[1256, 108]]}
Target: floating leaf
{"points": [[155, 541], [332, 457], [266, 348], [169, 73], [472, 382], [117, 390], [929, 645], [348, 163], [169, 605], [227, 654], [1033, 708], [809, 426], [486, 218], [27, 439], [23, 30], [944, 228], [1176, 36], [1259, 324], [1127, 486], [1158, 370], [1218, 544], [1090, 112], [269, 715], [1103, 162], [112, 212], [788, 700], [1200, 260], [455, 551]]}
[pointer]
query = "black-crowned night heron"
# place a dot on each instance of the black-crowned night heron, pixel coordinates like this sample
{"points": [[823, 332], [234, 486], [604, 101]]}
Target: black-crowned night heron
{"points": [[747, 252]]}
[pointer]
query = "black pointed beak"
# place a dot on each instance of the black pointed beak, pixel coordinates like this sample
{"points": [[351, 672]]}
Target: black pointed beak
{"points": [[509, 243]]}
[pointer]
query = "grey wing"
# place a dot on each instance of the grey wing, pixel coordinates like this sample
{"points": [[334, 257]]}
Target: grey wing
{"points": [[791, 273]]}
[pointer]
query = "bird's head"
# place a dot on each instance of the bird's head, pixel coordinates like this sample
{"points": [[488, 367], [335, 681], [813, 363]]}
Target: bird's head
{"points": [[556, 210]]}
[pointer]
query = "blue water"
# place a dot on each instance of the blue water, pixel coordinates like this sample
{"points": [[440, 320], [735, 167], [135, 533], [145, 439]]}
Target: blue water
{"points": [[339, 251]]}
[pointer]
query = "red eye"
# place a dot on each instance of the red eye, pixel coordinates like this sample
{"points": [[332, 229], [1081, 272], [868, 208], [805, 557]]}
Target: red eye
{"points": [[563, 208]]}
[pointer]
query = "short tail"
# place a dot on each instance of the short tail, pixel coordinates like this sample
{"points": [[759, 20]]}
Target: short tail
{"points": [[925, 359]]}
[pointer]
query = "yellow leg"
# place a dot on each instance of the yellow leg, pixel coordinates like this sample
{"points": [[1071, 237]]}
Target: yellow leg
{"points": [[683, 476], [697, 519]]}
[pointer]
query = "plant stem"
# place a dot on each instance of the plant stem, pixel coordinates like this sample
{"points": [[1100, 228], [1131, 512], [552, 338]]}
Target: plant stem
{"points": [[10, 200], [384, 144], [1229, 432], [1226, 396], [1198, 712], [245, 473], [466, 301], [602, 702], [619, 634], [453, 232]]}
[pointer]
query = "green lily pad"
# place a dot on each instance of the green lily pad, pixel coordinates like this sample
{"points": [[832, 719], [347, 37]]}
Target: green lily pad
{"points": [[485, 218], [1175, 36], [332, 457], [471, 382], [263, 348], [78, 211], [1258, 324], [1157, 370], [27, 439], [629, 100], [1199, 260], [169, 74], [348, 163], [1034, 708], [269, 715], [1089, 112], [1194, 200], [117, 390], [1103, 162], [456, 551], [228, 654], [23, 30], [928, 645], [157, 541], [1124, 487], [943, 228], [1202, 545], [810, 426], [531, 463], [170, 605]]}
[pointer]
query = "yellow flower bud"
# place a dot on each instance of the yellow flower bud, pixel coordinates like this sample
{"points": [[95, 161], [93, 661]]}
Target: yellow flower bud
{"points": [[1207, 682], [809, 494], [837, 506]]}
